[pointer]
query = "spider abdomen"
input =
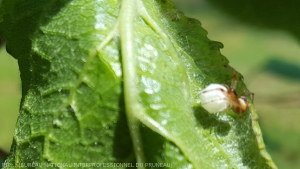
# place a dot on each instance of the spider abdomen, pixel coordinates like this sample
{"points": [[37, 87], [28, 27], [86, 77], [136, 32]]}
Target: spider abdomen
{"points": [[214, 98]]}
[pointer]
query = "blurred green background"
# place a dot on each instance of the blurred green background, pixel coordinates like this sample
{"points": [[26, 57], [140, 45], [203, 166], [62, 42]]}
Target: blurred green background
{"points": [[268, 59], [10, 95]]}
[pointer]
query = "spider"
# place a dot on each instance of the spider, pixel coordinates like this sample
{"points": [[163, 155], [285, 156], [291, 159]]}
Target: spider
{"points": [[217, 98]]}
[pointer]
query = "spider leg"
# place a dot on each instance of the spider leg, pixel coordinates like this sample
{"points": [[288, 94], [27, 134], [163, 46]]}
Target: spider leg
{"points": [[233, 80], [252, 96], [248, 93], [233, 86]]}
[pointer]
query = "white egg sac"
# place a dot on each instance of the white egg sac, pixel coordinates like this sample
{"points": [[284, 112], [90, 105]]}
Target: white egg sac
{"points": [[214, 98]]}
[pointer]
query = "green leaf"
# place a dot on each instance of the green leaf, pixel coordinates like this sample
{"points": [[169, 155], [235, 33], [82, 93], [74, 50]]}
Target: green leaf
{"points": [[110, 82]]}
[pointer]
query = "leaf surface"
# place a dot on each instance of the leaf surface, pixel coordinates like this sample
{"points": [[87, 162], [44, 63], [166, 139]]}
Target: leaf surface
{"points": [[111, 82]]}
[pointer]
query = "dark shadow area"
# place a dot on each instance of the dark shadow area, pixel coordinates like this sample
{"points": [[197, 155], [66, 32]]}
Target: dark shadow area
{"points": [[122, 143], [283, 68], [153, 145], [210, 121], [40, 70], [30, 151], [19, 23], [3, 156], [18, 27]]}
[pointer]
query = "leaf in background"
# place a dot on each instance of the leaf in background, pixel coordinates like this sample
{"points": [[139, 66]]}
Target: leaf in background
{"points": [[117, 82], [272, 14]]}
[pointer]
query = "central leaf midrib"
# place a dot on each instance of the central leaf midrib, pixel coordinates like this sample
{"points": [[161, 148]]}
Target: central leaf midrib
{"points": [[132, 104]]}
